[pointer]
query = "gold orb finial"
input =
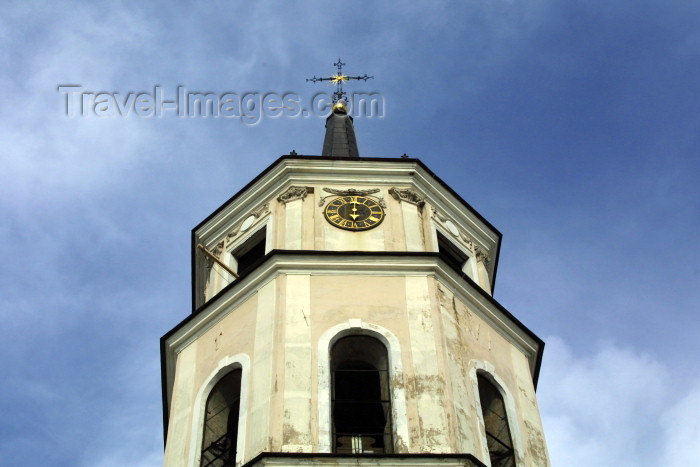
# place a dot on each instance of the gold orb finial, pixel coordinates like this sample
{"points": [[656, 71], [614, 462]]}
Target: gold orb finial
{"points": [[340, 107]]}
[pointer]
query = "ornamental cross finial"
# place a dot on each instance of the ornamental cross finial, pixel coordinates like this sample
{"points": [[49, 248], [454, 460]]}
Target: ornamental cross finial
{"points": [[338, 78]]}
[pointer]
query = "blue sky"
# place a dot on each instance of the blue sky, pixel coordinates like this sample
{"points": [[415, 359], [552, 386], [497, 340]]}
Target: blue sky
{"points": [[573, 127]]}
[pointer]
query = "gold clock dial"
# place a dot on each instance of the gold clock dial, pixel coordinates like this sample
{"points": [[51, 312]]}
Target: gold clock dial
{"points": [[354, 213]]}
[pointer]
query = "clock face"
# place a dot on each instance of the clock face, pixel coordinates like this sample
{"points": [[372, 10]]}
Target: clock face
{"points": [[354, 213]]}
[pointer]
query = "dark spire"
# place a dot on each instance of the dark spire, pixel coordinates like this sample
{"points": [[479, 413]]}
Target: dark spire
{"points": [[340, 134]]}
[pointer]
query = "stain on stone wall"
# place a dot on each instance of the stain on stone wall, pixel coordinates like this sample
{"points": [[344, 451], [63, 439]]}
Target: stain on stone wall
{"points": [[536, 450]]}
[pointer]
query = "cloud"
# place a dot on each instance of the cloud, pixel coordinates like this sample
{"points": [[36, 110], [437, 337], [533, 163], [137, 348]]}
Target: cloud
{"points": [[607, 408], [494, 96], [682, 430]]}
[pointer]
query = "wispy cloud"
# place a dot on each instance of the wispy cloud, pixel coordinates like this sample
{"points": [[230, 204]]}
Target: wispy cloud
{"points": [[604, 408]]}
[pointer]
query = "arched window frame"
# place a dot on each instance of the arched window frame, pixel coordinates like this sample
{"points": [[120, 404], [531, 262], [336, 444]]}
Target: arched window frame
{"points": [[487, 370], [225, 366], [398, 394]]}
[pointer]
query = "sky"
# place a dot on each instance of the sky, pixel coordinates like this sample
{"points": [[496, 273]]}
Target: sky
{"points": [[573, 127]]}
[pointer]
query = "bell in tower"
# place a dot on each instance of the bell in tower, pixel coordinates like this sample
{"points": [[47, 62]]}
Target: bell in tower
{"points": [[342, 314]]}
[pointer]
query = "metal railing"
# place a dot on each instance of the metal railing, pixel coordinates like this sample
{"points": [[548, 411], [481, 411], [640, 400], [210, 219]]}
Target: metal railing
{"points": [[361, 443], [219, 453]]}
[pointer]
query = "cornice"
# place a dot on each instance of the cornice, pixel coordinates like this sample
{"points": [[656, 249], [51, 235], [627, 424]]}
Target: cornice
{"points": [[356, 263]]}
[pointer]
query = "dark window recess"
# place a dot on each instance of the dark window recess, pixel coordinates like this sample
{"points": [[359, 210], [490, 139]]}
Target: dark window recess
{"points": [[221, 422], [496, 424], [248, 254], [452, 255], [360, 396]]}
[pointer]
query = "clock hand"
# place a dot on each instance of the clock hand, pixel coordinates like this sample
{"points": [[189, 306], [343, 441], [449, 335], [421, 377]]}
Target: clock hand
{"points": [[354, 211]]}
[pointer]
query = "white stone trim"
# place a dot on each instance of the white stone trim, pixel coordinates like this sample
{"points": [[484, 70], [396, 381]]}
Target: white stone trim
{"points": [[487, 369], [224, 366], [399, 422], [411, 217], [293, 223], [298, 365]]}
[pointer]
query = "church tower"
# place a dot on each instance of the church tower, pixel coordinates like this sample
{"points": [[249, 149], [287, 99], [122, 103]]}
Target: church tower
{"points": [[343, 315]]}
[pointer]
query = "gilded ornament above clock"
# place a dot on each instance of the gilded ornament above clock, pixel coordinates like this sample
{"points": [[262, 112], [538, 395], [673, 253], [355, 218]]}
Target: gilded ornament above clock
{"points": [[354, 213]]}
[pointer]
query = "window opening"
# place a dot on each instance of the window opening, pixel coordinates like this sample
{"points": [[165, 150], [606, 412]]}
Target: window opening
{"points": [[498, 438], [451, 254], [361, 403], [221, 422], [248, 254]]}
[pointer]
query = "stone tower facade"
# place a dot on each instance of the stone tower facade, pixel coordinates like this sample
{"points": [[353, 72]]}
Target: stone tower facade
{"points": [[361, 329]]}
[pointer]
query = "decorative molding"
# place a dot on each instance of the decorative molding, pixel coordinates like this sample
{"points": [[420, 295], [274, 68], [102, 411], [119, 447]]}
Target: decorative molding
{"points": [[470, 243], [261, 211], [219, 248], [233, 233], [481, 255], [436, 214], [294, 192], [352, 192], [407, 195], [258, 213], [452, 228], [216, 251]]}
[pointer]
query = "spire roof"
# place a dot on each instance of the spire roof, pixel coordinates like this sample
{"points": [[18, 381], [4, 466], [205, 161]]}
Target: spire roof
{"points": [[340, 135]]}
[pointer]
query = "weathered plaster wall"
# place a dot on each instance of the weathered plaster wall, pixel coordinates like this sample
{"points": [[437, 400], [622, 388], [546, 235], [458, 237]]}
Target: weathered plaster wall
{"points": [[246, 330], [472, 345], [442, 340]]}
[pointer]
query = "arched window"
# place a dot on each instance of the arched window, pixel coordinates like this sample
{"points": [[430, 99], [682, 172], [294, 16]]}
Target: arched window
{"points": [[221, 422], [361, 402], [498, 436]]}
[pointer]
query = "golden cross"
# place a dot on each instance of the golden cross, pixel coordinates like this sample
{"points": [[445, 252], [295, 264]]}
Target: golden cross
{"points": [[338, 78]]}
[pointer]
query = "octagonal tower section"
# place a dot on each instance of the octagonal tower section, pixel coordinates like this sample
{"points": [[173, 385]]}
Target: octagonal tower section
{"points": [[452, 365]]}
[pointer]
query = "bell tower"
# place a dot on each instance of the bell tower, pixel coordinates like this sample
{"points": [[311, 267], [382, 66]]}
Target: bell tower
{"points": [[342, 314]]}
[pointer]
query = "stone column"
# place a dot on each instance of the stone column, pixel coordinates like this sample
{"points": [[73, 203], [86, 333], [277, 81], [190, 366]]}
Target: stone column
{"points": [[411, 207], [292, 200]]}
